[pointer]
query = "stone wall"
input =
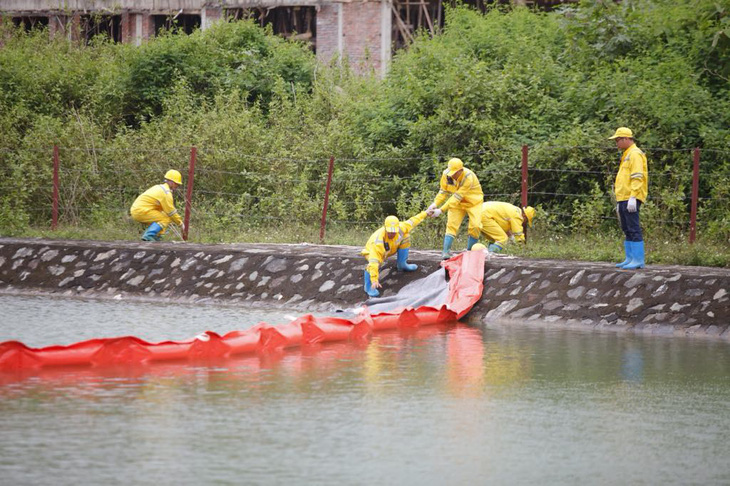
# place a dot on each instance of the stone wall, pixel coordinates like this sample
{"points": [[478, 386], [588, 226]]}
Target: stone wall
{"points": [[659, 299]]}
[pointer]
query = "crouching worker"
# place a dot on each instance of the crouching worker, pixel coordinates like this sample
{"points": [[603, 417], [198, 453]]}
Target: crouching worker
{"points": [[501, 220], [393, 237], [156, 206]]}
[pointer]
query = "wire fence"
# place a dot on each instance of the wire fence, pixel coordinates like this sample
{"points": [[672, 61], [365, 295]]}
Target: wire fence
{"points": [[572, 184]]}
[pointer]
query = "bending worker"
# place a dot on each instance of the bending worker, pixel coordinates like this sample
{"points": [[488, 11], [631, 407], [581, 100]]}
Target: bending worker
{"points": [[156, 206], [462, 192], [393, 237], [502, 221], [631, 189]]}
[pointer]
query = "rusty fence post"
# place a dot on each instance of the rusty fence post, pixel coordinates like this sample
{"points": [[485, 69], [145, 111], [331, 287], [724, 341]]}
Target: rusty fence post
{"points": [[189, 192], [326, 200], [695, 196], [524, 185], [56, 163]]}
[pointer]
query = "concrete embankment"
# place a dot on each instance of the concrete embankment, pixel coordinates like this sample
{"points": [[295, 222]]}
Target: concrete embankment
{"points": [[670, 300]]}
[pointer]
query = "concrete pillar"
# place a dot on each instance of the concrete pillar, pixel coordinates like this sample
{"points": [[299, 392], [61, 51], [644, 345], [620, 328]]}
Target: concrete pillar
{"points": [[386, 31], [209, 15]]}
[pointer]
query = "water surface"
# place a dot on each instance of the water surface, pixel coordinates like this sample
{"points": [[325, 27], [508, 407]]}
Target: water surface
{"points": [[441, 405]]}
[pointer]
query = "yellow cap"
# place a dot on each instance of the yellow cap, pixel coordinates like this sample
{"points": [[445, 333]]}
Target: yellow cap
{"points": [[478, 246], [530, 213], [392, 225], [622, 132], [455, 165], [174, 176]]}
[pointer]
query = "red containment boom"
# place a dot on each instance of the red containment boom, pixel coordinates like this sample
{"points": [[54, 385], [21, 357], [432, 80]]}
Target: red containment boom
{"points": [[465, 285]]}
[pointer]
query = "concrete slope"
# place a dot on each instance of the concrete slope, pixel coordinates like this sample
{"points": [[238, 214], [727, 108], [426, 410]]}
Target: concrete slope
{"points": [[670, 300]]}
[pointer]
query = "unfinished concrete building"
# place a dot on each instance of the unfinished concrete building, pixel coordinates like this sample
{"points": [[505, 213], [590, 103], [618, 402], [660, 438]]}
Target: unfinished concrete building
{"points": [[366, 32]]}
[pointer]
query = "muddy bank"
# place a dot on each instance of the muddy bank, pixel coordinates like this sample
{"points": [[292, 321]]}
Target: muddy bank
{"points": [[670, 300]]}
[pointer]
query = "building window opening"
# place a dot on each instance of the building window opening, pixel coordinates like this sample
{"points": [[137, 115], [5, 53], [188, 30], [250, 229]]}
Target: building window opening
{"points": [[181, 22], [106, 25], [31, 23], [298, 23]]}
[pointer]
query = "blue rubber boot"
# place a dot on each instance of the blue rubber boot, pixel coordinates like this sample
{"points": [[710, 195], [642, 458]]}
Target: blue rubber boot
{"points": [[403, 261], [637, 256], [369, 286], [494, 247], [471, 242], [152, 232], [627, 250], [448, 241]]}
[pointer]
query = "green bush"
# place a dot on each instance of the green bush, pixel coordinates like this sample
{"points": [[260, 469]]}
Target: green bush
{"points": [[266, 118]]}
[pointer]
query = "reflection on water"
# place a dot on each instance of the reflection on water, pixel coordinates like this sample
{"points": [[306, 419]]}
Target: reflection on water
{"points": [[439, 405]]}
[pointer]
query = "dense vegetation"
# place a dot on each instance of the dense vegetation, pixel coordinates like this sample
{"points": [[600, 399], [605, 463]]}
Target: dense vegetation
{"points": [[266, 118]]}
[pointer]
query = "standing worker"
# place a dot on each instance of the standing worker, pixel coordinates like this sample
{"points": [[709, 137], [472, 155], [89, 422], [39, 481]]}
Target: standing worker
{"points": [[501, 220], [461, 190], [157, 207], [631, 189], [393, 237]]}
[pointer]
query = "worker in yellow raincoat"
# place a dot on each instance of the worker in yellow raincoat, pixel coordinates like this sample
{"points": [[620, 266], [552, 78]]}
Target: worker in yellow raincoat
{"points": [[461, 190], [501, 220], [156, 206], [393, 237], [631, 188]]}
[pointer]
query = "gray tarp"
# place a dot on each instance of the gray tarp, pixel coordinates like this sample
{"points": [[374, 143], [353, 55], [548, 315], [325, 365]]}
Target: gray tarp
{"points": [[429, 291]]}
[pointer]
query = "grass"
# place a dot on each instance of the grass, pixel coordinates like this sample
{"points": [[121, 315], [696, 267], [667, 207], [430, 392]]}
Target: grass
{"points": [[542, 243]]}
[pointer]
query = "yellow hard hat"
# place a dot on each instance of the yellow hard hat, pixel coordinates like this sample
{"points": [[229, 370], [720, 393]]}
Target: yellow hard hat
{"points": [[174, 176], [455, 165], [530, 213], [392, 225], [622, 132], [478, 247]]}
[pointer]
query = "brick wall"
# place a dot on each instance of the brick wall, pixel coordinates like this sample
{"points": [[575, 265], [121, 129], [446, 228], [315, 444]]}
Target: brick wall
{"points": [[209, 15], [361, 30], [137, 27], [327, 32], [127, 27]]}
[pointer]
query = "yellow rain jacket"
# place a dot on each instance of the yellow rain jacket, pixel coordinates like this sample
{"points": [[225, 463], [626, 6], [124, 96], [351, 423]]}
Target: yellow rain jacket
{"points": [[156, 205], [379, 246], [463, 193], [632, 179], [499, 219]]}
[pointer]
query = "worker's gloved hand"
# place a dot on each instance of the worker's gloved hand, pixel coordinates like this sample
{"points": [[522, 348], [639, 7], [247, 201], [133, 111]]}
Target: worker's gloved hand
{"points": [[431, 208], [631, 205], [436, 213]]}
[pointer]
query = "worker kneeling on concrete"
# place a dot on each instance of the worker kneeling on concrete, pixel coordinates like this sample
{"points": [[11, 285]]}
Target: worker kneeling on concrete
{"points": [[392, 238], [156, 206], [461, 190], [502, 221]]}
